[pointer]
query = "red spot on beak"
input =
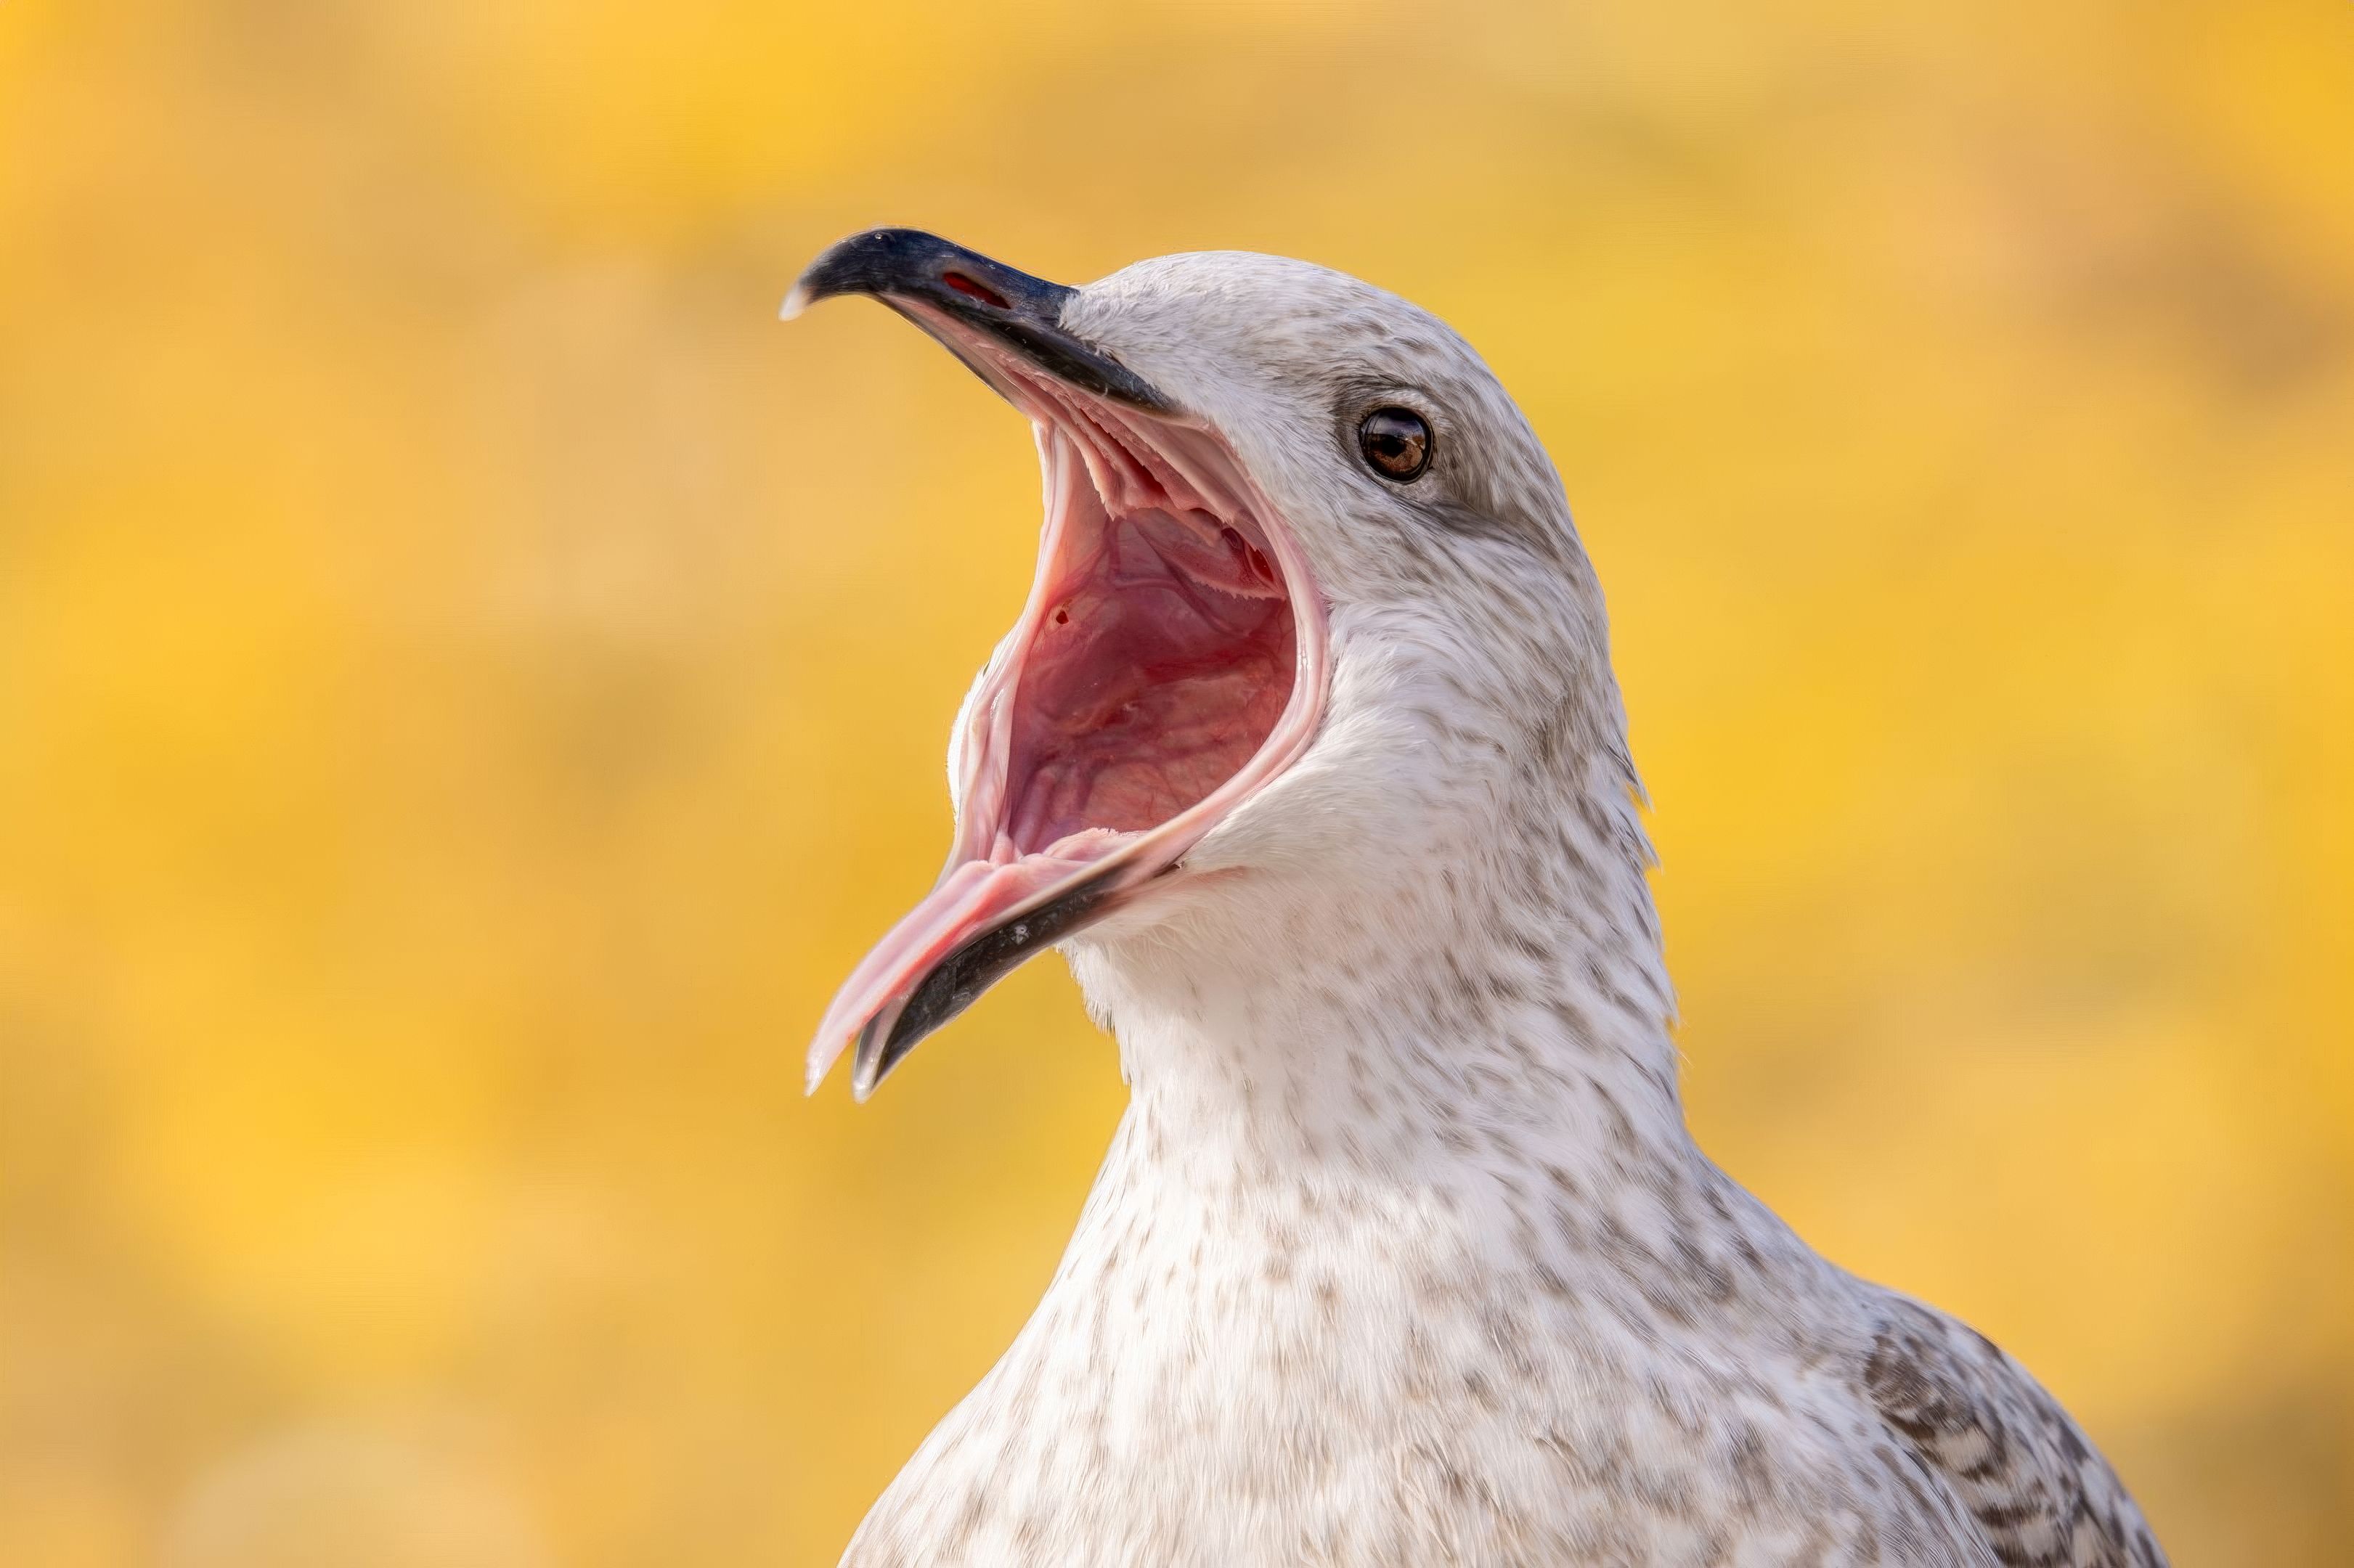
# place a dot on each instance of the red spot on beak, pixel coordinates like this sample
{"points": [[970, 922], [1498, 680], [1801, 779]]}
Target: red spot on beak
{"points": [[973, 291]]}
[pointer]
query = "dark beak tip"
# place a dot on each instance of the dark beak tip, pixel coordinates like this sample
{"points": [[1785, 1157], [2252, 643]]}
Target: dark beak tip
{"points": [[848, 267], [910, 264], [905, 267], [959, 980]]}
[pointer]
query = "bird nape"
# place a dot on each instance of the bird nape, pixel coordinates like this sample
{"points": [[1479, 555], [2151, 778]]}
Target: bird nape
{"points": [[1306, 750]]}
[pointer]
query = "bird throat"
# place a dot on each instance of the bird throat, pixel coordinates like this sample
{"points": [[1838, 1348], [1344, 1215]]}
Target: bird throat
{"points": [[1274, 1021]]}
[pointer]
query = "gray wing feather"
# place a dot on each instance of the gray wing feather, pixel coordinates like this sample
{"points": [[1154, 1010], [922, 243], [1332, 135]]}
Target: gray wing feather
{"points": [[1974, 1419]]}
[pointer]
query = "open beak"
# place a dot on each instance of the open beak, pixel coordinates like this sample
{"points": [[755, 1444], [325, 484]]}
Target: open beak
{"points": [[1169, 664]]}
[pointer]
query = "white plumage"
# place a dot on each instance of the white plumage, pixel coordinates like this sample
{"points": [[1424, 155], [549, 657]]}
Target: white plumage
{"points": [[1403, 1252]]}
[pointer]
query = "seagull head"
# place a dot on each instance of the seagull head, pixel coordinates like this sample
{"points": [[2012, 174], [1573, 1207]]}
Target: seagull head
{"points": [[1308, 611]]}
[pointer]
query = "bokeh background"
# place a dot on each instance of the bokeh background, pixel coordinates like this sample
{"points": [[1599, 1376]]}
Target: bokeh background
{"points": [[470, 683]]}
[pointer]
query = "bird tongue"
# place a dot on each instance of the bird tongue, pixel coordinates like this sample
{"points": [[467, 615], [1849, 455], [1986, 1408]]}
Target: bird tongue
{"points": [[969, 930], [1155, 658]]}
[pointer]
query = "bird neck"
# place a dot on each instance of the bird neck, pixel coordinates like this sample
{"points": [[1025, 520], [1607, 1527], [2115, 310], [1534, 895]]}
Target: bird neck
{"points": [[1496, 996]]}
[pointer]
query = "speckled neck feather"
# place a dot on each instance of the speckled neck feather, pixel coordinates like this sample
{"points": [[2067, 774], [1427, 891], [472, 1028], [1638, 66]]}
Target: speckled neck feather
{"points": [[1403, 1253], [1471, 996]]}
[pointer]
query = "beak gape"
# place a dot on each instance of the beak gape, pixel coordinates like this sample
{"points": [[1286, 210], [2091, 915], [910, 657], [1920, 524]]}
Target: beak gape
{"points": [[1169, 660]]}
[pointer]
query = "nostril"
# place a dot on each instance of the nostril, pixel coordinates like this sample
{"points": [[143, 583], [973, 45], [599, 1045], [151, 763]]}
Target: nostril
{"points": [[973, 291], [1062, 617]]}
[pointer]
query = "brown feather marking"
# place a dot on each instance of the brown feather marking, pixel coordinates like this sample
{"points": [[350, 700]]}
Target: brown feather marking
{"points": [[1978, 1422]]}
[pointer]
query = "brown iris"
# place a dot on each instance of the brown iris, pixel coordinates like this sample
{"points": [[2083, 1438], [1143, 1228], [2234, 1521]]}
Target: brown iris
{"points": [[1396, 441]]}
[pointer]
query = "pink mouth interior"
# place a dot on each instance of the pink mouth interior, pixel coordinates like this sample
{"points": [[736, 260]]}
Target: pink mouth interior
{"points": [[1158, 667], [1170, 662]]}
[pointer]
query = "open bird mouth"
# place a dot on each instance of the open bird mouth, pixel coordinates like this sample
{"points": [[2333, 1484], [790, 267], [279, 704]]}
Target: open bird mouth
{"points": [[1169, 664]]}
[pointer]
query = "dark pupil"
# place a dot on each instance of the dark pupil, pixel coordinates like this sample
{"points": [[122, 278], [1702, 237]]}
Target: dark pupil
{"points": [[1396, 441]]}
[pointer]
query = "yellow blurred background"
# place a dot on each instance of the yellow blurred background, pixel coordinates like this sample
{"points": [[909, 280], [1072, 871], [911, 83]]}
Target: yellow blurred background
{"points": [[471, 684]]}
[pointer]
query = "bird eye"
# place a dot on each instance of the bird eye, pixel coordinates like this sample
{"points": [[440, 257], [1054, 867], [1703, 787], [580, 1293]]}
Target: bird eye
{"points": [[1397, 442]]}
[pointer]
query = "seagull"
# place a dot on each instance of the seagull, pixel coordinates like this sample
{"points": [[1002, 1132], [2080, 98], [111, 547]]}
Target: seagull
{"points": [[1306, 751]]}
